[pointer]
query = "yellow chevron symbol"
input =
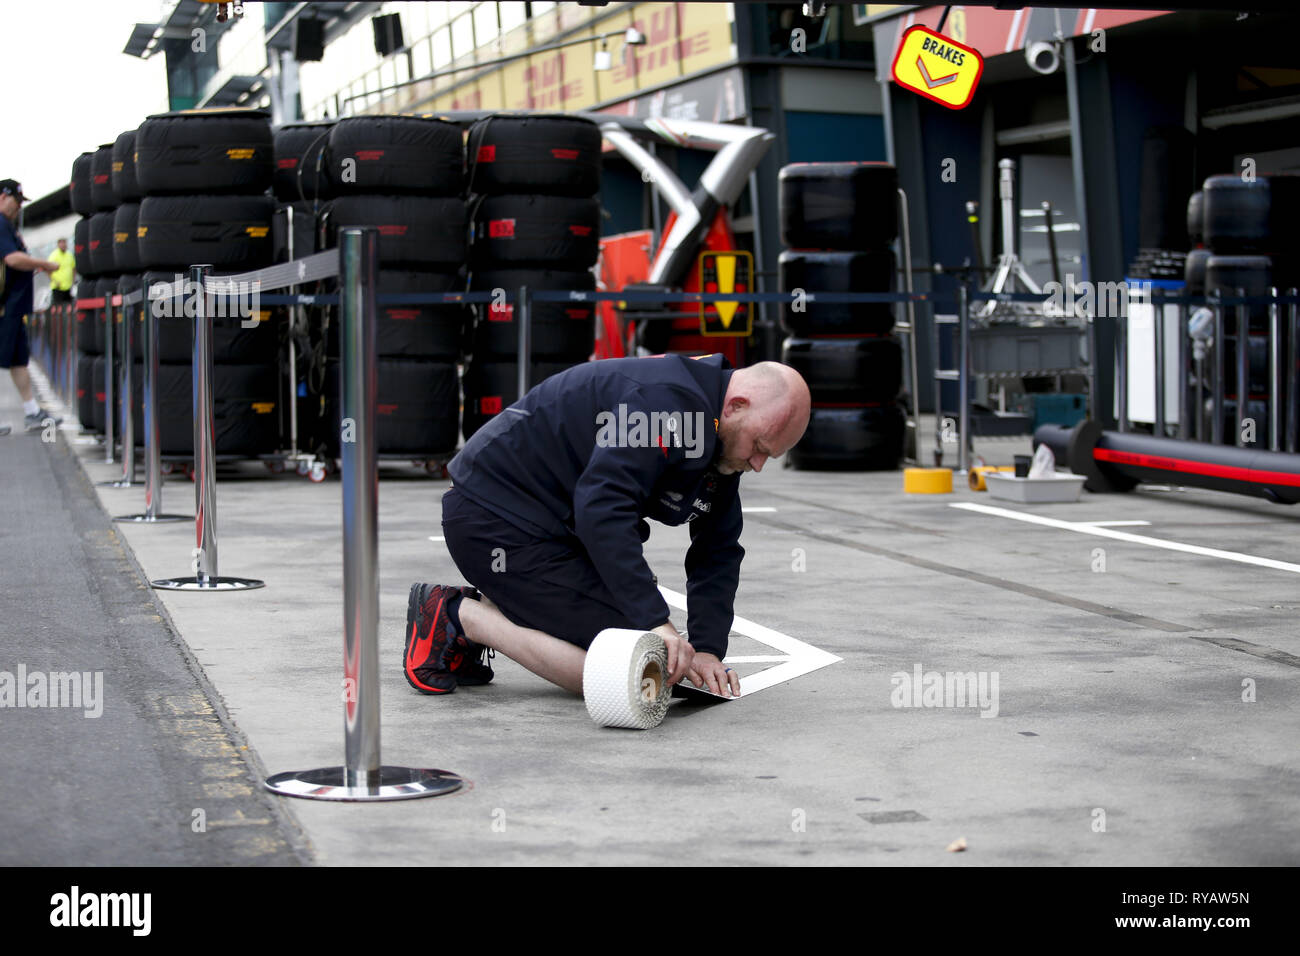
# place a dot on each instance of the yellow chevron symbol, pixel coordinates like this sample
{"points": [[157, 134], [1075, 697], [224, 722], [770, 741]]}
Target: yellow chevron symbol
{"points": [[726, 272]]}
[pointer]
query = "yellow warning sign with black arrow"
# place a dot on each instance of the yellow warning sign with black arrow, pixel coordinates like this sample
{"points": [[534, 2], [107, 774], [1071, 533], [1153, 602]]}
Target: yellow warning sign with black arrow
{"points": [[726, 272]]}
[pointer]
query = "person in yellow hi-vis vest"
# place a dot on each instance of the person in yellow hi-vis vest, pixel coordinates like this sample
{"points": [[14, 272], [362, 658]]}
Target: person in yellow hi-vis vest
{"points": [[61, 278]]}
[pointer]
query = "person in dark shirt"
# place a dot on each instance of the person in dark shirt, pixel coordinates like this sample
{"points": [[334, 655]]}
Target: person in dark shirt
{"points": [[547, 514], [16, 303]]}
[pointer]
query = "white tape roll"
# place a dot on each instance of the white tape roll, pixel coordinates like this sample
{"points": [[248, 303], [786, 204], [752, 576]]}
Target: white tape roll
{"points": [[625, 679]]}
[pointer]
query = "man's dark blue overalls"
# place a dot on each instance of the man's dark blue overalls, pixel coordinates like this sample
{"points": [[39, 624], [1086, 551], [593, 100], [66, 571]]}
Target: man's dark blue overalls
{"points": [[546, 515]]}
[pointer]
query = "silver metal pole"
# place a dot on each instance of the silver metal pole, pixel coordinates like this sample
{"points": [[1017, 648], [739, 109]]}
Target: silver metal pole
{"points": [[963, 380], [205, 494], [1293, 376], [1121, 373], [1006, 193], [1200, 399], [1158, 327], [70, 357], [524, 326], [1184, 396], [67, 327], [358, 262], [362, 776], [1274, 371], [126, 409], [128, 399], [1216, 396], [108, 382], [294, 312], [205, 489], [55, 346], [914, 385], [1243, 368], [152, 429]]}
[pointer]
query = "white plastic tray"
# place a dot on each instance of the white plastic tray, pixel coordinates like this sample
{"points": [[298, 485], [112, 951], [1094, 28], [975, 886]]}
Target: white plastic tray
{"points": [[1057, 488]]}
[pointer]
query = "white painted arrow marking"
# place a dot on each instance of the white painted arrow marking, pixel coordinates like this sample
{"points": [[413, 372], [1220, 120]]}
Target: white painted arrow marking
{"points": [[799, 658], [1085, 528]]}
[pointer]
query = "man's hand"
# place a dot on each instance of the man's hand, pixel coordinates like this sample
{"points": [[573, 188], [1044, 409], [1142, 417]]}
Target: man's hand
{"points": [[48, 266], [680, 653], [709, 672]]}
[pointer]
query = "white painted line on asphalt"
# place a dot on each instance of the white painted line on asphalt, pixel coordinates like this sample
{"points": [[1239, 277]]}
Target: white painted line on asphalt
{"points": [[758, 659], [1116, 524], [756, 511], [436, 537], [1085, 528], [801, 658]]}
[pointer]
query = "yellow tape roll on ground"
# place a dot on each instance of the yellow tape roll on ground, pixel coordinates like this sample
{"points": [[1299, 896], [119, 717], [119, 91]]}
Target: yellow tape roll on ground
{"points": [[975, 477], [927, 481]]}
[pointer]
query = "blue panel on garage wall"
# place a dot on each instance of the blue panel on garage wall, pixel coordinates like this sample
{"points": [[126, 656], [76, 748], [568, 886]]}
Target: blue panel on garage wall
{"points": [[834, 137], [621, 199]]}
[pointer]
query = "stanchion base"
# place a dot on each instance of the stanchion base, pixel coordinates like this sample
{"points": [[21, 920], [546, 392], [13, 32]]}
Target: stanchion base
{"points": [[207, 584], [395, 783], [154, 519]]}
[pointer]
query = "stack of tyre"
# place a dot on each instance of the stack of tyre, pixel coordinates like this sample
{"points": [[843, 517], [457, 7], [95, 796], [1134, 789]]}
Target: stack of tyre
{"points": [[536, 224], [126, 261], [839, 220], [90, 323], [405, 176], [1245, 233], [300, 183], [204, 178]]}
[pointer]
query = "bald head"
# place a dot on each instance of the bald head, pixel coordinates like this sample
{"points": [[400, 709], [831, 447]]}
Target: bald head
{"points": [[764, 413]]}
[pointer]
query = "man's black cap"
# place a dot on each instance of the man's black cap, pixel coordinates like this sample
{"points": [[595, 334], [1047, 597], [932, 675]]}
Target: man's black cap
{"points": [[11, 187]]}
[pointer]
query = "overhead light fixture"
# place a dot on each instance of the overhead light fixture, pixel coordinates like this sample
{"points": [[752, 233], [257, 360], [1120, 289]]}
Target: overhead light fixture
{"points": [[634, 37], [603, 60]]}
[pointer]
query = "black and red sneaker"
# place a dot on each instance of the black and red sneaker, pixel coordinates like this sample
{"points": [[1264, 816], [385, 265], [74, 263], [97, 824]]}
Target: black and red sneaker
{"points": [[468, 660], [429, 634]]}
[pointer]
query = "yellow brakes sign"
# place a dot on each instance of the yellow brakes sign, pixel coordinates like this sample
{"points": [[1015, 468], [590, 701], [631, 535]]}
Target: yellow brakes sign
{"points": [[937, 67]]}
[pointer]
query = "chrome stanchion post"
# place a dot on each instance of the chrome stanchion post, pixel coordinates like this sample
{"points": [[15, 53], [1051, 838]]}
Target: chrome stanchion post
{"points": [[1243, 369], [108, 381], [905, 242], [1184, 398], [1293, 375], [524, 326], [963, 382], [1121, 374], [295, 312], [360, 474], [152, 429], [1274, 370], [362, 776], [205, 491], [1216, 396], [1158, 328], [125, 403]]}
